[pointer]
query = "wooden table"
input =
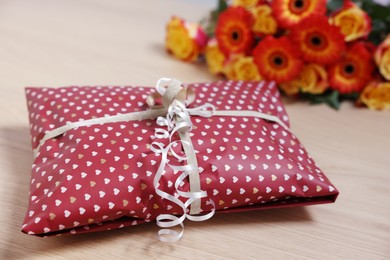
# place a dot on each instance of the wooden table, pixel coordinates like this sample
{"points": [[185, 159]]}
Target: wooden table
{"points": [[85, 42]]}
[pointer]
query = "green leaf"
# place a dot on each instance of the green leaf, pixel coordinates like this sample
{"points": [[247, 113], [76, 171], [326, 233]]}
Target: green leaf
{"points": [[374, 10], [330, 97], [334, 5], [222, 5], [210, 22], [380, 16], [350, 96]]}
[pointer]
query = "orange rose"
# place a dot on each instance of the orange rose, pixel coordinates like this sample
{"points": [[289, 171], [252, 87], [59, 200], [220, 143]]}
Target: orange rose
{"points": [[376, 96], [354, 23], [242, 68], [264, 23], [214, 57], [184, 40], [382, 58]]}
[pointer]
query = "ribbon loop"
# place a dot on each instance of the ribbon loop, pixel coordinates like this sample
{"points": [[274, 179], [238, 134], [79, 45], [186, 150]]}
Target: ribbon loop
{"points": [[205, 110], [169, 90]]}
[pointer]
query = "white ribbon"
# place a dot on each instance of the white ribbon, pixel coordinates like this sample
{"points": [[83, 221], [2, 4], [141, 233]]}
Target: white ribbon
{"points": [[175, 117], [178, 120]]}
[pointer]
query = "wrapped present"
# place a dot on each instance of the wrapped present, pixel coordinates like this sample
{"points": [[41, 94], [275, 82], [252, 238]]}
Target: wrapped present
{"points": [[110, 157]]}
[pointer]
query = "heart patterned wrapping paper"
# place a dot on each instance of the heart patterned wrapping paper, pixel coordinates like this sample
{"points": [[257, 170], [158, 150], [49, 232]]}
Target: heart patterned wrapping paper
{"points": [[101, 176]]}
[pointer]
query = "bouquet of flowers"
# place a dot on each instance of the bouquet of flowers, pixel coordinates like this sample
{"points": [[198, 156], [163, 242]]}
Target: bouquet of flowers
{"points": [[323, 51]]}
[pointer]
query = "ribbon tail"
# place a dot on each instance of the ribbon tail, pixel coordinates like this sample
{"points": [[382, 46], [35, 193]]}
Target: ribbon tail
{"points": [[194, 172]]}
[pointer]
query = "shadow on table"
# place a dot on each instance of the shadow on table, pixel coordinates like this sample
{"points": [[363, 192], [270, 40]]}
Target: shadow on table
{"points": [[15, 144]]}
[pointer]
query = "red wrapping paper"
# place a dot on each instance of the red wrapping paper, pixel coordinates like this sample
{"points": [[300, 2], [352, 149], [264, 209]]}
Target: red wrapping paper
{"points": [[100, 177]]}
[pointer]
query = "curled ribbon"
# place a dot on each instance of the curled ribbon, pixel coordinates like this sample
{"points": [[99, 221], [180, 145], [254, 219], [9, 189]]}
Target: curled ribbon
{"points": [[177, 120], [175, 117]]}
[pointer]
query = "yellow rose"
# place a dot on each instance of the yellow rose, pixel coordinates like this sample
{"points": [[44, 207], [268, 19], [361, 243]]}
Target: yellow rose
{"points": [[245, 3], [312, 79], [382, 58], [290, 88], [376, 96], [214, 57], [264, 23], [242, 68], [184, 40], [353, 22]]}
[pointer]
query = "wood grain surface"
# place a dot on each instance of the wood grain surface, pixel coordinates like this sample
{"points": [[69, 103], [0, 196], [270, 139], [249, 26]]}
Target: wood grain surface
{"points": [[99, 42]]}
